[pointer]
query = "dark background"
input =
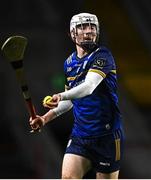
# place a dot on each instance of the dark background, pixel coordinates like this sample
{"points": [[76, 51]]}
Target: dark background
{"points": [[125, 29]]}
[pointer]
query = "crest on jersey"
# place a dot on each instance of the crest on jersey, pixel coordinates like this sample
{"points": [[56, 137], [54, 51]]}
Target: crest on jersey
{"points": [[99, 63]]}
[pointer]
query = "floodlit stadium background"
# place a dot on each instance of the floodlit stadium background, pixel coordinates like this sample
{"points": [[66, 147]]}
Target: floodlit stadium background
{"points": [[125, 28]]}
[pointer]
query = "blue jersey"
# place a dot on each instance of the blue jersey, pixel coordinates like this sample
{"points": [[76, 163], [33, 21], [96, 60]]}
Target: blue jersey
{"points": [[96, 114]]}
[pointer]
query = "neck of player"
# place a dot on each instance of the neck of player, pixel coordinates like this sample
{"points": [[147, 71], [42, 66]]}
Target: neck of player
{"points": [[81, 52]]}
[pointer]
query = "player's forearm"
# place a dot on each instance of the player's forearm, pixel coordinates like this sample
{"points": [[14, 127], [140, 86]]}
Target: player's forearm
{"points": [[49, 116], [86, 88], [63, 107]]}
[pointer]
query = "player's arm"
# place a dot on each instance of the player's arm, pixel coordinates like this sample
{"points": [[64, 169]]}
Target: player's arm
{"points": [[40, 121], [62, 101], [62, 107], [92, 80]]}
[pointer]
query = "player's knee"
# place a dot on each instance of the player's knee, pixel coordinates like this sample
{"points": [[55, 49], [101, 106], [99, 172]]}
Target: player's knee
{"points": [[69, 176]]}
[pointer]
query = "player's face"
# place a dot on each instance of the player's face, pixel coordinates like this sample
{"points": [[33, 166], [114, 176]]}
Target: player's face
{"points": [[86, 33]]}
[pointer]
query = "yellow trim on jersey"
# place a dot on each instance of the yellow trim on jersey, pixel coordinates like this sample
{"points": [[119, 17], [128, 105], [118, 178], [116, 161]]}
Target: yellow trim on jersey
{"points": [[74, 77], [117, 146], [98, 71], [91, 70], [113, 71], [71, 78]]}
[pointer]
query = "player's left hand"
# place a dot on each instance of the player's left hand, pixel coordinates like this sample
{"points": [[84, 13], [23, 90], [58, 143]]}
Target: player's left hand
{"points": [[51, 102]]}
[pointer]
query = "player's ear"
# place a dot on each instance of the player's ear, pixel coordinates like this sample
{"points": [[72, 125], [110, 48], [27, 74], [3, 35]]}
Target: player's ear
{"points": [[73, 35]]}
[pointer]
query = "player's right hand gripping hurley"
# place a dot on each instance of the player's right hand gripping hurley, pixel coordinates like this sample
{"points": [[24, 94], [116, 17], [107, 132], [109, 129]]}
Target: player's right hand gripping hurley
{"points": [[36, 123]]}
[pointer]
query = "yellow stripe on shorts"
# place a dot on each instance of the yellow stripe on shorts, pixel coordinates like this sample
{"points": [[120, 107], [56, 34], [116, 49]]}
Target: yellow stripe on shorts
{"points": [[117, 146]]}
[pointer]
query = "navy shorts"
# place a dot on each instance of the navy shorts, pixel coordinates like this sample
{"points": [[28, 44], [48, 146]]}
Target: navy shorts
{"points": [[104, 152]]}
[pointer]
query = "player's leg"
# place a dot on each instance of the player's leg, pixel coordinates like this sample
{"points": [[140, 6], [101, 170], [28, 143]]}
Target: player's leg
{"points": [[74, 166], [109, 153], [113, 175]]}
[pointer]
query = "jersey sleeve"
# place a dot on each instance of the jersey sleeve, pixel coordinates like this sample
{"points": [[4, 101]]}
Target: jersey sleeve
{"points": [[102, 63]]}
